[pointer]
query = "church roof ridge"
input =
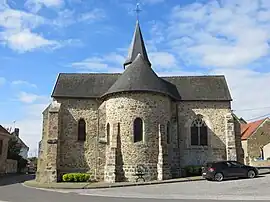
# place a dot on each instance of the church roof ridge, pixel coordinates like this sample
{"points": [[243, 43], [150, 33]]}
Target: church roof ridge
{"points": [[194, 76], [90, 73]]}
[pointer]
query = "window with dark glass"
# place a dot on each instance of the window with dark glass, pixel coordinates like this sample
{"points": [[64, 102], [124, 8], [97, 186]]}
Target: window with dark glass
{"points": [[138, 130], [199, 132], [81, 130], [108, 133], [168, 133]]}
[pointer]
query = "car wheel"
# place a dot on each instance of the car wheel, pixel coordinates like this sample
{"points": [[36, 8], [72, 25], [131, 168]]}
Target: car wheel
{"points": [[218, 177], [251, 174]]}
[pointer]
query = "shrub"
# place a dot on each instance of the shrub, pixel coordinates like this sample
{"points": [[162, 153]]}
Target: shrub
{"points": [[193, 170], [76, 177]]}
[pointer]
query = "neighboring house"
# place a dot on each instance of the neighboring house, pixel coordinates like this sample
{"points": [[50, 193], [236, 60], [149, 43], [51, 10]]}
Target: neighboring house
{"points": [[4, 138], [24, 148], [255, 138]]}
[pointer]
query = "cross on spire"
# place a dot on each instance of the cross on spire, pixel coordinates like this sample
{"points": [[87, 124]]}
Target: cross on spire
{"points": [[137, 10]]}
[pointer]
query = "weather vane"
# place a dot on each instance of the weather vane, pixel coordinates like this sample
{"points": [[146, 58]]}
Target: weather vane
{"points": [[137, 10]]}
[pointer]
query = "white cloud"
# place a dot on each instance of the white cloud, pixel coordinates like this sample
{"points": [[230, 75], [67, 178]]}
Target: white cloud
{"points": [[36, 5], [91, 16], [16, 20], [112, 62], [25, 40], [21, 82], [2, 81], [229, 35], [17, 31], [30, 97], [163, 59]]}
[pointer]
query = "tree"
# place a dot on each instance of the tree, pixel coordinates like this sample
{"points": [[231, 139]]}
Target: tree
{"points": [[33, 160], [13, 149], [14, 153]]}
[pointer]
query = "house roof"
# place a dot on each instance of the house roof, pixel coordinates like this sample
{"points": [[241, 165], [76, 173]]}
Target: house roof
{"points": [[3, 130], [137, 46], [248, 129], [139, 76], [19, 140]]}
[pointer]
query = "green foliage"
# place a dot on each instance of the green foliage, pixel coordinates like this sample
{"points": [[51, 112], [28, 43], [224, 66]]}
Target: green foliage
{"points": [[33, 160], [268, 159], [13, 149], [14, 153], [76, 177], [193, 170]]}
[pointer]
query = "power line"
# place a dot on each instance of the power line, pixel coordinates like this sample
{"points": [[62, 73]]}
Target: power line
{"points": [[251, 109], [259, 117]]}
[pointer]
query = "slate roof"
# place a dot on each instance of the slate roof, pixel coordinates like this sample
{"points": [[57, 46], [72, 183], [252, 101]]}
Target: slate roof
{"points": [[248, 129], [139, 76], [3, 130], [93, 85], [137, 46]]}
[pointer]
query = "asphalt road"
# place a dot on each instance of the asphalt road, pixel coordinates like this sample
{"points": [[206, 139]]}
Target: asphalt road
{"points": [[11, 190]]}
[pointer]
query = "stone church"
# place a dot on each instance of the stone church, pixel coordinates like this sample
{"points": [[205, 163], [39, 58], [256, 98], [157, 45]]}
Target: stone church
{"points": [[107, 124]]}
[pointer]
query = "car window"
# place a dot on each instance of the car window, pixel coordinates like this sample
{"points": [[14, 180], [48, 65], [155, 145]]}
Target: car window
{"points": [[234, 163]]}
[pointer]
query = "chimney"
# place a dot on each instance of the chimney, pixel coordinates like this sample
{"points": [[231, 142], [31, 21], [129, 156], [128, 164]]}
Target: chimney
{"points": [[16, 131]]}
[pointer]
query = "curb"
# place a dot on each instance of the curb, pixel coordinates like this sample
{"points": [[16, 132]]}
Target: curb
{"points": [[49, 186]]}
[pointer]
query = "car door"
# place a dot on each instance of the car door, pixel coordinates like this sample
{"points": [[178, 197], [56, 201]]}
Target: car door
{"points": [[237, 169], [228, 170]]}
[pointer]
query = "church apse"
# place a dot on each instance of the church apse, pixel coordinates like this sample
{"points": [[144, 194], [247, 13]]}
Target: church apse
{"points": [[138, 116]]}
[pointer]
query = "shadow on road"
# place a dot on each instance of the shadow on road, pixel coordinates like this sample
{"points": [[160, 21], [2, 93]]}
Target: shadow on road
{"points": [[15, 179]]}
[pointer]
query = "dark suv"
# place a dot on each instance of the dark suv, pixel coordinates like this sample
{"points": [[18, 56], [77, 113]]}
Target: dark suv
{"points": [[228, 169]]}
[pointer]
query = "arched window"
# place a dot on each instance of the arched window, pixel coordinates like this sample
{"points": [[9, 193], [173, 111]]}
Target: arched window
{"points": [[81, 130], [168, 133], [138, 130], [108, 133], [199, 132]]}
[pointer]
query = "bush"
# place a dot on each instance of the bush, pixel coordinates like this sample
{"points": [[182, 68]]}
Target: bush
{"points": [[193, 170], [76, 177]]}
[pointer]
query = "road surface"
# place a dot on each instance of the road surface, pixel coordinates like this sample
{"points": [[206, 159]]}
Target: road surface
{"points": [[11, 190]]}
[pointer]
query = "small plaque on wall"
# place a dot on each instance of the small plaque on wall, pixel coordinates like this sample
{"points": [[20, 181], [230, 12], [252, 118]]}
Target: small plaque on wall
{"points": [[52, 141]]}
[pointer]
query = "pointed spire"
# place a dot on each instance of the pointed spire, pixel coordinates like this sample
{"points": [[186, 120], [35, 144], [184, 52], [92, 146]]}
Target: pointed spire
{"points": [[137, 46]]}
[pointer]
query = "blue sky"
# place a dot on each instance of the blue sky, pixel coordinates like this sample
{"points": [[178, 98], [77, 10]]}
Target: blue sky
{"points": [[40, 38]]}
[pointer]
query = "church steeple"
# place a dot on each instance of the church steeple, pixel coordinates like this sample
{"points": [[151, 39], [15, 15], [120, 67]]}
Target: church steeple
{"points": [[137, 46]]}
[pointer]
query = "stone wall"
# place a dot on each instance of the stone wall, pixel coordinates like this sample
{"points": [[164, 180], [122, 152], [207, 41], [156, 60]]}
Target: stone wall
{"points": [[77, 156], [11, 166], [214, 115], [265, 163], [238, 143], [49, 156], [124, 109], [3, 156], [42, 157]]}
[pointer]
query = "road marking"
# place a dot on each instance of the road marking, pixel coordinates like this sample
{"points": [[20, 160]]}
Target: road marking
{"points": [[52, 190]]}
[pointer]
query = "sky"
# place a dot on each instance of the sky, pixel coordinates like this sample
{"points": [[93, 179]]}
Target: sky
{"points": [[41, 38]]}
